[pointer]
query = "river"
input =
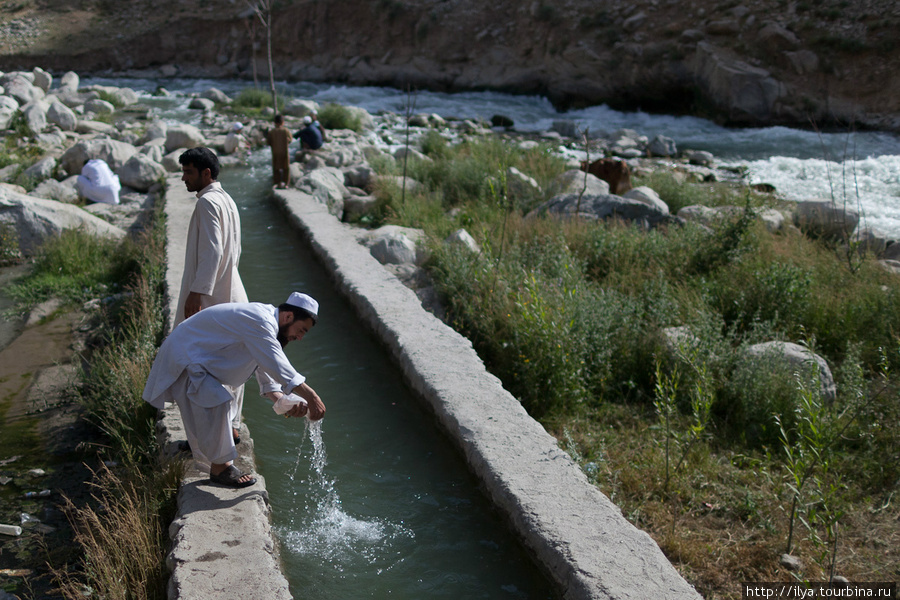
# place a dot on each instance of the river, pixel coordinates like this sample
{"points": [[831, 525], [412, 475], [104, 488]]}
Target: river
{"points": [[857, 168]]}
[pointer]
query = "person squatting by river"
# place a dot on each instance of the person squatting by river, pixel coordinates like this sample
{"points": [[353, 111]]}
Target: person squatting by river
{"points": [[279, 139], [219, 348], [213, 249]]}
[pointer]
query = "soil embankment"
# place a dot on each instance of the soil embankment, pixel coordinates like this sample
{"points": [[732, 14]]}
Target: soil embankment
{"points": [[45, 446]]}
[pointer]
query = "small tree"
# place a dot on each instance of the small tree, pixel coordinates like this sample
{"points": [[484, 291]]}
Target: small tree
{"points": [[263, 10]]}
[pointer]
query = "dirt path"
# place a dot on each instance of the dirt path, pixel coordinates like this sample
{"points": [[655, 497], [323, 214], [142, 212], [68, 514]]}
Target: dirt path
{"points": [[44, 446]]}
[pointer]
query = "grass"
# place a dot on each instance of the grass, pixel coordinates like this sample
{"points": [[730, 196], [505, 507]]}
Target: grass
{"points": [[572, 317], [122, 531]]}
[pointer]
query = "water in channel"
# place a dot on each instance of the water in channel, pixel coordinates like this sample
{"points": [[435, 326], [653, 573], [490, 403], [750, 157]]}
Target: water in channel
{"points": [[374, 501]]}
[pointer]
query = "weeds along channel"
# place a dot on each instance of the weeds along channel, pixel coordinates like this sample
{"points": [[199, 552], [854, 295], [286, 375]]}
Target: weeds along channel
{"points": [[639, 349], [119, 522]]}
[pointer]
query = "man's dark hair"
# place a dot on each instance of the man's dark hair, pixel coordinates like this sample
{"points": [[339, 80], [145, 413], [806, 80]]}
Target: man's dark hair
{"points": [[300, 314], [279, 119], [201, 158]]}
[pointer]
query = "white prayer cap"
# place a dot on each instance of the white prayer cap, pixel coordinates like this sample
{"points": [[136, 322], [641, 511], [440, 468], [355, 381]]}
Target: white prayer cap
{"points": [[305, 302], [237, 126], [307, 119]]}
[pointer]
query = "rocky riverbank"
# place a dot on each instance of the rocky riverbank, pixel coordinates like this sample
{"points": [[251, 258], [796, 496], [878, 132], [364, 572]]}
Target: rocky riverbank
{"points": [[757, 63]]}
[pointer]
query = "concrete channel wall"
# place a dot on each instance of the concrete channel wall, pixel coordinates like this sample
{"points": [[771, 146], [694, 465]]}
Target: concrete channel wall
{"points": [[223, 544]]}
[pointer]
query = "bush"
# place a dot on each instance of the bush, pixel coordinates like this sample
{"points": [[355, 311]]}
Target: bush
{"points": [[335, 116]]}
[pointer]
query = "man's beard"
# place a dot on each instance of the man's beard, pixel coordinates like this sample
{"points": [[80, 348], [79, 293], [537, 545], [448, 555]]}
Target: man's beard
{"points": [[282, 335]]}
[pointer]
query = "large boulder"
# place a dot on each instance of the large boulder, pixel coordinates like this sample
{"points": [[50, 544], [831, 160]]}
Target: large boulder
{"points": [[36, 219], [297, 107], [825, 219], [183, 135], [35, 115], [216, 95], [20, 87], [51, 189], [600, 207], [574, 181], [746, 92], [42, 79], [155, 130], [41, 170], [140, 172], [98, 106], [395, 245], [801, 359], [113, 152], [62, 116], [70, 81], [327, 186], [648, 196], [394, 249], [662, 146], [8, 109]]}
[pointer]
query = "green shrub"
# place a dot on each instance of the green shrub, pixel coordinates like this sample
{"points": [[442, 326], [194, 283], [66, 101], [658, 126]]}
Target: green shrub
{"points": [[77, 266], [335, 116]]}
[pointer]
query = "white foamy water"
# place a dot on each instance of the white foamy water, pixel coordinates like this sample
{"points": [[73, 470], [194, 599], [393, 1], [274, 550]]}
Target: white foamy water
{"points": [[870, 186], [322, 529]]}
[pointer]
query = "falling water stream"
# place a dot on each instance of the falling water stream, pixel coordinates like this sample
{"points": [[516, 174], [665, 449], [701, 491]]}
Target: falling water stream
{"points": [[393, 511]]}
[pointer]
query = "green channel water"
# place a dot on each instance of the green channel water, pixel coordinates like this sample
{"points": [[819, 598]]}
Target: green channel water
{"points": [[393, 512]]}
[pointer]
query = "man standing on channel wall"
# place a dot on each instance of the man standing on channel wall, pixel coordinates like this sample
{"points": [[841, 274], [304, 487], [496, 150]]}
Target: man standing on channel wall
{"points": [[213, 250]]}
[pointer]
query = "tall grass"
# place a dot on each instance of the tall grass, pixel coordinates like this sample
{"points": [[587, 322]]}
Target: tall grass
{"points": [[75, 267], [122, 532], [572, 314], [574, 318]]}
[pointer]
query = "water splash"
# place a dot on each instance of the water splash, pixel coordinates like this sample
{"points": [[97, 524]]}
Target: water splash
{"points": [[321, 529]]}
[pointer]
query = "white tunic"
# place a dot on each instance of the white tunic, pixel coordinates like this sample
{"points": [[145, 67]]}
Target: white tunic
{"points": [[213, 251], [218, 348]]}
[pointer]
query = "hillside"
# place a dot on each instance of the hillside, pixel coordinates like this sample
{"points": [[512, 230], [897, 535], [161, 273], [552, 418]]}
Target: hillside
{"points": [[798, 63]]}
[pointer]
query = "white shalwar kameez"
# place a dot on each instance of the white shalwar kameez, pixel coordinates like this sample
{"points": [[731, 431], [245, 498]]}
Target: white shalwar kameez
{"points": [[208, 355], [211, 258]]}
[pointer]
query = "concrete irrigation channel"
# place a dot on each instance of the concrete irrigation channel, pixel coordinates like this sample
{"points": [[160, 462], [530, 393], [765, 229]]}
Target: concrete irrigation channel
{"points": [[223, 543]]}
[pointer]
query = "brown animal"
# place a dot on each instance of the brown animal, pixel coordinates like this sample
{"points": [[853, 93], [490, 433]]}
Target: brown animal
{"points": [[613, 171]]}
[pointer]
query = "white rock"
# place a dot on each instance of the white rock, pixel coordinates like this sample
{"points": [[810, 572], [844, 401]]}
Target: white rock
{"points": [[70, 80], [8, 108], [799, 357], [575, 181], [99, 107], [648, 196], [36, 219], [113, 152], [35, 115], [183, 135], [62, 116], [463, 238], [140, 172]]}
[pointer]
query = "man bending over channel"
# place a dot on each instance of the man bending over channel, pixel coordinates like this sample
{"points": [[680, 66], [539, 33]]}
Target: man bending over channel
{"points": [[219, 348]]}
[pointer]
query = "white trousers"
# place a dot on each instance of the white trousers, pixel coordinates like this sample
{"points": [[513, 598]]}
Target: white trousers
{"points": [[208, 430]]}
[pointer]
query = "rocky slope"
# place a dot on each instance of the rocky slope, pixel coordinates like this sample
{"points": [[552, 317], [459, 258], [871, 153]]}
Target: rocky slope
{"points": [[770, 61]]}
